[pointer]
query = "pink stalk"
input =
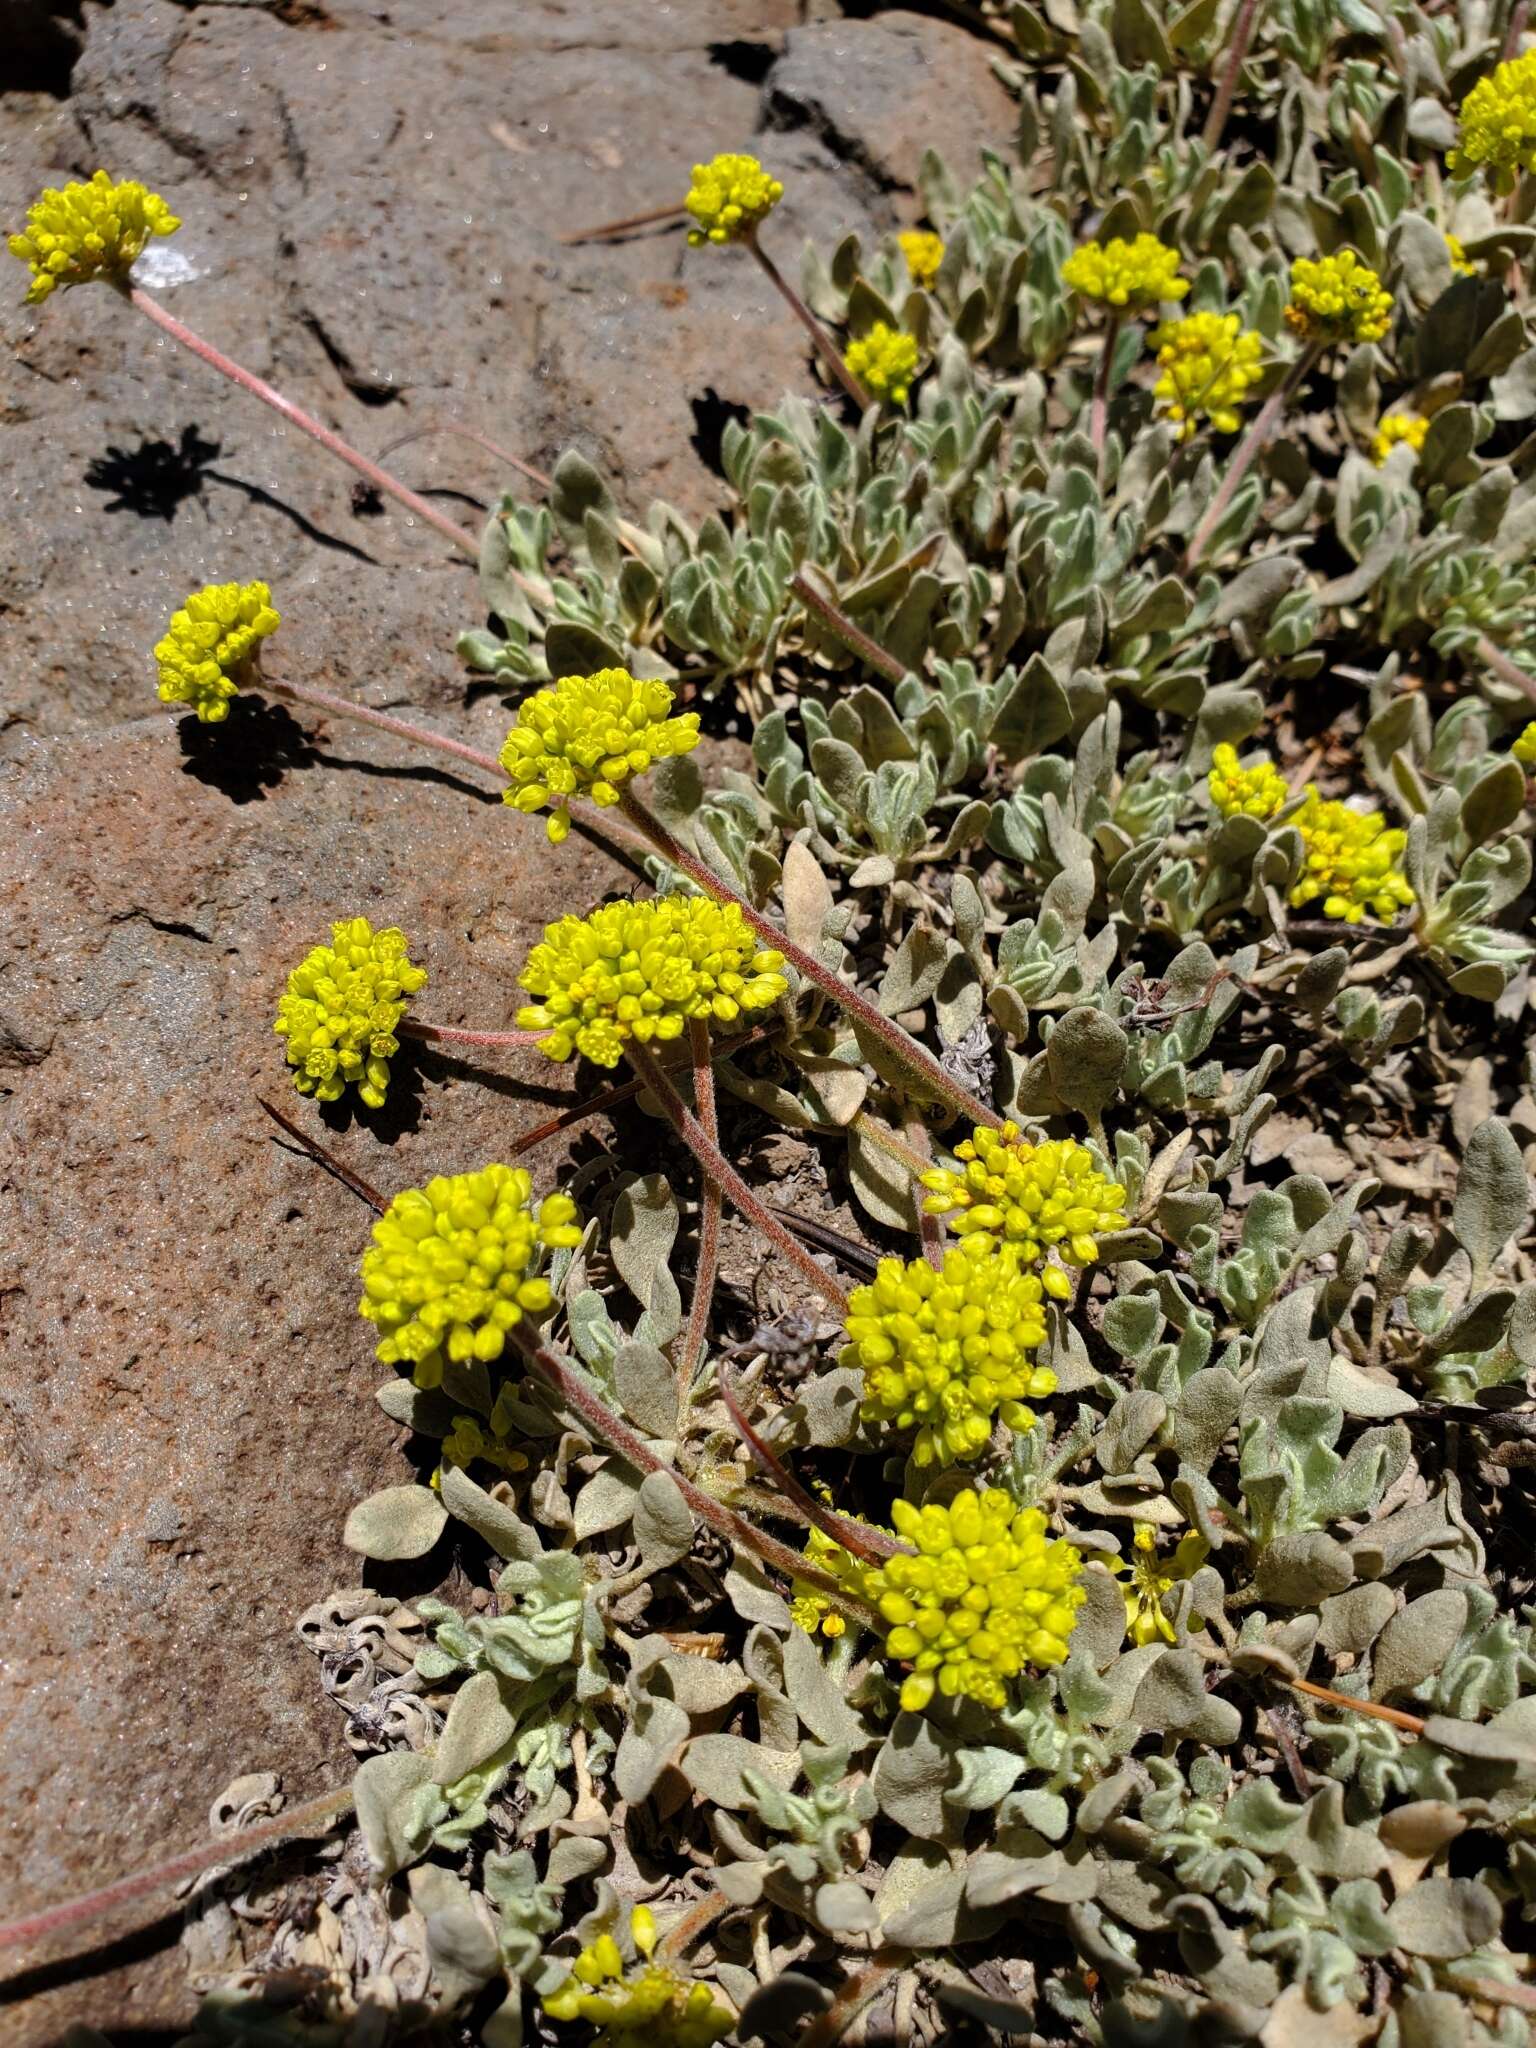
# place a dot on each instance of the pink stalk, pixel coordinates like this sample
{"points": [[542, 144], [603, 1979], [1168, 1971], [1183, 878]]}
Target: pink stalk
{"points": [[930, 1229], [418, 735], [1221, 106], [855, 1537], [1493, 656], [719, 1168], [232, 1848], [1098, 415], [709, 1209], [1248, 450], [610, 1098], [831, 355], [450, 1034], [900, 1044], [534, 476], [331, 442], [851, 635]]}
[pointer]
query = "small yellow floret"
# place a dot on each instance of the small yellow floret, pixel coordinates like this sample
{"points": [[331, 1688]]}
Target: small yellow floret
{"points": [[944, 1352], [588, 736], [1140, 273], [1394, 429], [449, 1270], [884, 361], [1256, 792], [1038, 1199], [82, 232], [1461, 263], [648, 2006], [468, 1442], [1145, 1621], [1351, 862], [729, 196], [1337, 298], [1498, 125], [1208, 363], [341, 1009], [924, 251], [1524, 748], [640, 971], [988, 1593], [811, 1610], [211, 644]]}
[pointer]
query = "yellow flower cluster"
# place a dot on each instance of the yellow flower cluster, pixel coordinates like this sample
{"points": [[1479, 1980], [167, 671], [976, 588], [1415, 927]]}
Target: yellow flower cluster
{"points": [[811, 1610], [1395, 428], [1461, 262], [641, 970], [1256, 792], [884, 361], [728, 197], [1037, 1199], [467, 1441], [587, 736], [88, 231], [210, 644], [1208, 361], [944, 1352], [1140, 273], [341, 1009], [649, 2006], [1351, 862], [1145, 1621], [1524, 749], [924, 251], [448, 1272], [1498, 125], [1337, 298], [987, 1593]]}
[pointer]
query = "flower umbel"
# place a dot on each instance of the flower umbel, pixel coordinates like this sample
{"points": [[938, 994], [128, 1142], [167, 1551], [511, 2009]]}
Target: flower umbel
{"points": [[1351, 862], [1038, 1199], [341, 1010], [1140, 273], [1461, 262], [729, 195], [649, 2004], [811, 1610], [588, 735], [946, 1351], [1395, 428], [1145, 1621], [80, 232], [641, 970], [1256, 792], [1524, 748], [449, 1270], [884, 361], [211, 645], [924, 251], [1337, 298], [1208, 361], [1498, 125], [987, 1593]]}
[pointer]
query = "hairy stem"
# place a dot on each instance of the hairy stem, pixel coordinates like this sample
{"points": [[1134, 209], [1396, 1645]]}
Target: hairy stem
{"points": [[839, 623], [450, 1034], [849, 1534], [1508, 671], [610, 1098], [719, 1168], [534, 476], [1098, 414], [917, 1060], [1226, 89], [331, 442], [232, 1848], [709, 1210], [418, 735], [622, 227], [1409, 1722], [1248, 451], [831, 355], [930, 1229]]}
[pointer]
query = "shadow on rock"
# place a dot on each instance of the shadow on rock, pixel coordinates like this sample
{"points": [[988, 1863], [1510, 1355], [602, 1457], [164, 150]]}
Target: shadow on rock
{"points": [[156, 478], [247, 753]]}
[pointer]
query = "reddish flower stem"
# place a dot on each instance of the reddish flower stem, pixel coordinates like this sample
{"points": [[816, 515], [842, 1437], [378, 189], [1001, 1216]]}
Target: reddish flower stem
{"points": [[1237, 50], [331, 442], [418, 735], [450, 1034], [534, 476], [231, 1848], [1410, 1723], [709, 1209], [855, 1537], [610, 1098], [715, 1164], [930, 1229], [914, 1057], [1493, 656], [1098, 412], [1248, 450], [831, 355], [851, 635]]}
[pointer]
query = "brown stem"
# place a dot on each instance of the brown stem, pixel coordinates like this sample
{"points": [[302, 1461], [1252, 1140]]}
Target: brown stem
{"points": [[839, 623], [1493, 656], [450, 1034], [1237, 50], [930, 1229], [534, 476], [831, 355], [621, 227], [882, 1135], [328, 1160], [1248, 451], [610, 1098], [231, 1848], [1098, 415], [709, 1209], [856, 1537], [900, 1044], [715, 1164], [342, 707], [1409, 1722], [1515, 31], [331, 442]]}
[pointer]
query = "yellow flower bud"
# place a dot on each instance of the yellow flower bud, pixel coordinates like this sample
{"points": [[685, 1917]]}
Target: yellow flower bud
{"points": [[83, 232]]}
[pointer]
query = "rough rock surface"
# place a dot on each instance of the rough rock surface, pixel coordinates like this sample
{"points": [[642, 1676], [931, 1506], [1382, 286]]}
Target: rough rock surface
{"points": [[373, 200]]}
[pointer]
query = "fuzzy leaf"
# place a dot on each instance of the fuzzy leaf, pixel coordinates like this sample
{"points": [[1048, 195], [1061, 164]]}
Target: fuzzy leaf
{"points": [[400, 1522]]}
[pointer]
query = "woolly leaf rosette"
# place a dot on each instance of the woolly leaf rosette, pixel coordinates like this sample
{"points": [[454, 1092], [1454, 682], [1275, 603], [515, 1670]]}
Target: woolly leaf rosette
{"points": [[77, 234], [945, 1352], [342, 1008], [453, 1267], [586, 737], [641, 971]]}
